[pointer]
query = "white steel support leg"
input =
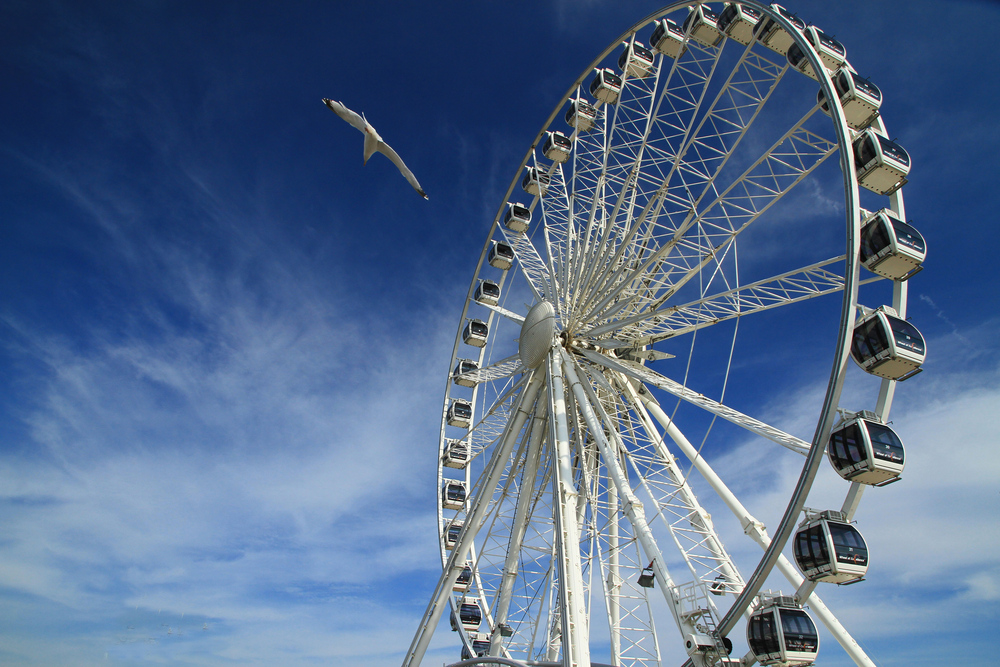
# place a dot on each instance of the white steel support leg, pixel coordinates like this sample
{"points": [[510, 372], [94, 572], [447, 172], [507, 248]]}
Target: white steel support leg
{"points": [[632, 506], [524, 499], [576, 644], [456, 562], [755, 529]]}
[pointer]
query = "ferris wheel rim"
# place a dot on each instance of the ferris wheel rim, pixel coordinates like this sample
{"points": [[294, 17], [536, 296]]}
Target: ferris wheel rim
{"points": [[851, 271]]}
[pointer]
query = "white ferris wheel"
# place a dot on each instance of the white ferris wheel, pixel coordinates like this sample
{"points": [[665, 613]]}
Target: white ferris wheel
{"points": [[677, 195]]}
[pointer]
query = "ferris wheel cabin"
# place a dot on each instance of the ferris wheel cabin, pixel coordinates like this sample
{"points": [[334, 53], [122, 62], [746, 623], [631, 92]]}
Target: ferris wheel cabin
{"points": [[452, 534], [453, 495], [475, 333], [517, 218], [557, 147], [470, 614], [536, 183], [859, 98], [831, 52], [781, 633], [865, 450], [606, 86], [882, 164], [891, 247], [501, 255], [887, 346], [480, 646], [702, 24], [667, 38], [488, 292], [461, 368], [636, 60], [770, 33], [829, 549], [464, 580], [738, 22], [581, 115], [459, 413], [456, 454]]}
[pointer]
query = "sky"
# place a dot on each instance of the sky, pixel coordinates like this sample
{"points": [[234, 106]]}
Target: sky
{"points": [[224, 341]]}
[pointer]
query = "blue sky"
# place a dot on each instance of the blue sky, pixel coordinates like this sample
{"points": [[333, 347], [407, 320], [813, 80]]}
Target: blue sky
{"points": [[223, 341]]}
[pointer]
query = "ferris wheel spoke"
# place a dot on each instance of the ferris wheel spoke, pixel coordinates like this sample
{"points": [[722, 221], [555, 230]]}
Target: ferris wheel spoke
{"points": [[659, 475], [718, 135], [784, 165], [532, 265], [628, 127], [500, 310], [649, 376], [638, 145], [498, 370], [669, 321]]}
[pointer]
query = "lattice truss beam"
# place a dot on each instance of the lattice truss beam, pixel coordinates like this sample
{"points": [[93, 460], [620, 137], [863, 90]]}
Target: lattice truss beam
{"points": [[647, 375], [637, 233], [669, 321], [644, 286], [658, 474]]}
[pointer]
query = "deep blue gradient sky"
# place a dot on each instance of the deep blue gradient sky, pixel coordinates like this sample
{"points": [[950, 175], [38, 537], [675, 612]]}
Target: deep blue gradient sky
{"points": [[223, 340]]}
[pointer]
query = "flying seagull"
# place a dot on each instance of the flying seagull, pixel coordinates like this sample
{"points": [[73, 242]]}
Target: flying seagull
{"points": [[373, 142]]}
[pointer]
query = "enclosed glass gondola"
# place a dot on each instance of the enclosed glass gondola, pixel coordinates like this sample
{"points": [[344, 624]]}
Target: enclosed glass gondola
{"points": [[535, 182], [779, 632], [859, 98], [887, 346], [891, 247], [702, 25], [557, 146], [480, 646], [464, 580], [475, 333], [488, 292], [667, 38], [882, 164], [738, 22], [461, 368], [517, 218], [636, 60], [606, 86], [770, 33], [864, 450], [581, 115], [829, 549], [453, 495], [501, 255], [831, 52], [459, 413], [452, 534], [470, 614], [456, 454]]}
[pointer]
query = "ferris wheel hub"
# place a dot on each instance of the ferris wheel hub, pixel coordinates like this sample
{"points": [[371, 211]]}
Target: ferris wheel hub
{"points": [[537, 332]]}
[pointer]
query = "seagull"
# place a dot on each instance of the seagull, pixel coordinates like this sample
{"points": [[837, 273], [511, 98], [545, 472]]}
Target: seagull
{"points": [[373, 142]]}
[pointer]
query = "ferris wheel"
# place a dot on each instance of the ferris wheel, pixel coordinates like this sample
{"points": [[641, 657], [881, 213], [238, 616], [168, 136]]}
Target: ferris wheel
{"points": [[710, 216]]}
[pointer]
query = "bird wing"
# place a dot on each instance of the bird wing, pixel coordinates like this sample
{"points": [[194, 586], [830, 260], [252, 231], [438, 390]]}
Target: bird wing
{"points": [[386, 150], [354, 119]]}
